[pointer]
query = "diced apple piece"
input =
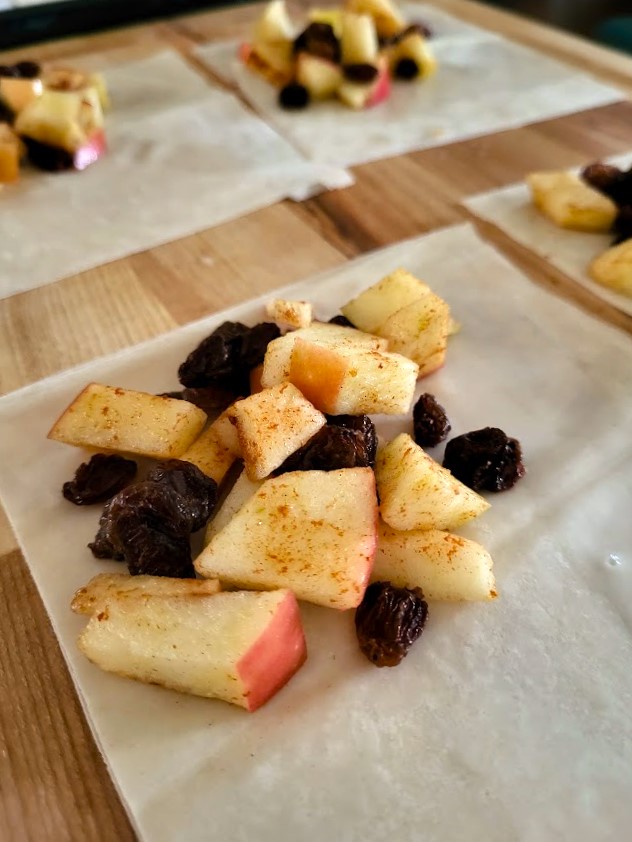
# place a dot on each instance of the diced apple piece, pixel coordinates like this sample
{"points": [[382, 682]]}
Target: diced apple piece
{"points": [[67, 120], [10, 153], [321, 77], [445, 566], [290, 314], [124, 421], [215, 450], [358, 96], [613, 268], [417, 48], [388, 20], [312, 531], [278, 357], [271, 425], [18, 93], [242, 490], [110, 586], [239, 647], [374, 305], [571, 203], [356, 381], [420, 331], [59, 78], [359, 39], [418, 493], [274, 61], [274, 24]]}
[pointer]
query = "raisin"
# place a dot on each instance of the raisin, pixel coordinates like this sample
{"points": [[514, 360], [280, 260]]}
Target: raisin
{"points": [[341, 320], [485, 460], [388, 621], [319, 39], [8, 71], [226, 357], [212, 399], [331, 449], [363, 74], [430, 423], [6, 114], [147, 526], [622, 227], [294, 97], [407, 69], [605, 178], [417, 28], [360, 424], [47, 157], [421, 28], [197, 492], [99, 479], [27, 69]]}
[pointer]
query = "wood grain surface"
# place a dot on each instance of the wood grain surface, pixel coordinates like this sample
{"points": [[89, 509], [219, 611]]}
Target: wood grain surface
{"points": [[53, 783]]}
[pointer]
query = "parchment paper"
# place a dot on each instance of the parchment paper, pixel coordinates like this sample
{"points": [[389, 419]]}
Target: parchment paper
{"points": [[484, 84], [512, 210], [507, 721], [184, 156]]}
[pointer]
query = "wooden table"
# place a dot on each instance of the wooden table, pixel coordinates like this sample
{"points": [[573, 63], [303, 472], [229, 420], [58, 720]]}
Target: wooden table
{"points": [[53, 782]]}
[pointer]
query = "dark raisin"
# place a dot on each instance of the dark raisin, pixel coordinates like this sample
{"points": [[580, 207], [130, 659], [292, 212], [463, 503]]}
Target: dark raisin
{"points": [[27, 69], [604, 177], [8, 71], [147, 526], [226, 357], [407, 69], [6, 114], [363, 74], [416, 28], [48, 158], [421, 28], [485, 460], [388, 621], [363, 425], [341, 320], [293, 97], [622, 227], [212, 399], [331, 449], [319, 39], [99, 479], [430, 423], [198, 492]]}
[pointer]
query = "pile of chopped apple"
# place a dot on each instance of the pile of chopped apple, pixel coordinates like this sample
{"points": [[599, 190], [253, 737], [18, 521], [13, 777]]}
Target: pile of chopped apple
{"points": [[351, 53], [284, 531], [51, 115]]}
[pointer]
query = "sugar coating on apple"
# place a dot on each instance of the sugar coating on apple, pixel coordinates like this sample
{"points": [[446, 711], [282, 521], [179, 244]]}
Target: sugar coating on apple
{"points": [[271, 425], [106, 587], [356, 381], [417, 493], [446, 567], [314, 532], [240, 647]]}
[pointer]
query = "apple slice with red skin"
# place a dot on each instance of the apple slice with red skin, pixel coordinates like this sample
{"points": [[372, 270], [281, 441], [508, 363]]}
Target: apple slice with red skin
{"points": [[358, 96], [241, 647]]}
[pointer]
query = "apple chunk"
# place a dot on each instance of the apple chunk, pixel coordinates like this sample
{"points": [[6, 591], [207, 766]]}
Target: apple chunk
{"points": [[355, 381], [239, 647], [108, 586], [312, 531], [446, 567], [418, 493], [215, 450], [571, 203], [613, 268], [125, 421], [420, 331], [370, 309], [271, 425]]}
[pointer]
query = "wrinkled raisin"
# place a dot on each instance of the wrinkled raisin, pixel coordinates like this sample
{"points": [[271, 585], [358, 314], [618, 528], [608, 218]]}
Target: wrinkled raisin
{"points": [[8, 71], [6, 114], [319, 39], [147, 526], [341, 320], [27, 69], [99, 479], [293, 97], [430, 423], [606, 178], [47, 157], [212, 399], [331, 449], [197, 492], [363, 74], [226, 357], [407, 69], [622, 227], [485, 460], [363, 425], [388, 621]]}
